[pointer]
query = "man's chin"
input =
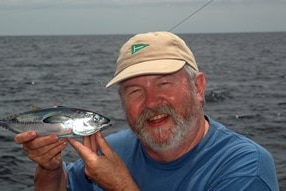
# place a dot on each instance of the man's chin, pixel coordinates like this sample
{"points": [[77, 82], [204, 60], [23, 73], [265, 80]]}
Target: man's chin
{"points": [[158, 142]]}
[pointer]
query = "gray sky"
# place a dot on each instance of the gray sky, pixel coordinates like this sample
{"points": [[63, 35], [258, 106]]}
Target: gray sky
{"points": [[60, 17]]}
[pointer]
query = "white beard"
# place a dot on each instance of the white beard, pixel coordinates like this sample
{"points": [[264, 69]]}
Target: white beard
{"points": [[179, 133]]}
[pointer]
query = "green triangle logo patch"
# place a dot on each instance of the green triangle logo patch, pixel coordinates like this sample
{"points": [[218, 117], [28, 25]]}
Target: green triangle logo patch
{"points": [[136, 47]]}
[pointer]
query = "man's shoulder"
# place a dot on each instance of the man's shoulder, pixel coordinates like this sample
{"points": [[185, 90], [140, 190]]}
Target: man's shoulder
{"points": [[239, 156], [235, 143]]}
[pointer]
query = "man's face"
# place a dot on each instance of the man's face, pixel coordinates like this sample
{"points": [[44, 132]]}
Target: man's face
{"points": [[161, 109]]}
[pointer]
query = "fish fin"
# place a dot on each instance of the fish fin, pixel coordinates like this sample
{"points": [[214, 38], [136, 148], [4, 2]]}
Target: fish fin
{"points": [[56, 119], [36, 108]]}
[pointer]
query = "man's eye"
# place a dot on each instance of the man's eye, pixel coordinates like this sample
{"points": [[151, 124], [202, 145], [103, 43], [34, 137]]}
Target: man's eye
{"points": [[165, 83], [133, 91]]}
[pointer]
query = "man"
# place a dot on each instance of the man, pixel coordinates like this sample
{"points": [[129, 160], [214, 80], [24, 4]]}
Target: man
{"points": [[171, 144]]}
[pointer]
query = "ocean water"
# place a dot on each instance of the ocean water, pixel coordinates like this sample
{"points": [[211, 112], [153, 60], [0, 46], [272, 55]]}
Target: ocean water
{"points": [[246, 75]]}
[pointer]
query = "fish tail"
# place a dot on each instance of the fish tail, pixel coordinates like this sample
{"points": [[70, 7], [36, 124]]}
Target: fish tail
{"points": [[7, 126], [4, 125]]}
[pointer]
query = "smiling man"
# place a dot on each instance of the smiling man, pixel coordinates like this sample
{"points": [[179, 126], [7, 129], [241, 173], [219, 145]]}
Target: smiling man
{"points": [[171, 144], [165, 121]]}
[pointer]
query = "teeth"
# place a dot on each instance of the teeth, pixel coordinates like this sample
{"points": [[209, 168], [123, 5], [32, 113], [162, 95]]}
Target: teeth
{"points": [[157, 117]]}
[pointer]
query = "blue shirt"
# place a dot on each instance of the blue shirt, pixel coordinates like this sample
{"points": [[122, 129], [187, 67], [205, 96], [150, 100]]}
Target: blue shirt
{"points": [[222, 161]]}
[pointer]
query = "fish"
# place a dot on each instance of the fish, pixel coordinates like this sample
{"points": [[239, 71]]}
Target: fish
{"points": [[60, 120]]}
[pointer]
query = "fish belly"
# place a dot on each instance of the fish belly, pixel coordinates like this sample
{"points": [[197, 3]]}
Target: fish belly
{"points": [[42, 129]]}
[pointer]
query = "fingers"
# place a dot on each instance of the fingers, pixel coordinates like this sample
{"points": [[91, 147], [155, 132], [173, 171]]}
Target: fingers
{"points": [[89, 141], [86, 141], [42, 141], [108, 170], [81, 149], [51, 148], [46, 150], [94, 145], [50, 160], [49, 156], [91, 144], [25, 137], [103, 145], [28, 139]]}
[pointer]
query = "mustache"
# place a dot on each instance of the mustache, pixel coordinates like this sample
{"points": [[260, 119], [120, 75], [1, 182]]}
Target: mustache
{"points": [[147, 113]]}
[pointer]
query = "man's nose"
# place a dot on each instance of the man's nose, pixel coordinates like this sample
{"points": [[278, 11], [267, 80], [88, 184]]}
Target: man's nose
{"points": [[152, 98]]}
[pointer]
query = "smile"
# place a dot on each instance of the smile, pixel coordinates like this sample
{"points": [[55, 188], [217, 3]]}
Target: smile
{"points": [[157, 120], [157, 117]]}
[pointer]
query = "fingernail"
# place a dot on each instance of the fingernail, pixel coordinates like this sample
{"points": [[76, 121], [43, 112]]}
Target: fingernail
{"points": [[33, 133], [54, 137], [63, 145]]}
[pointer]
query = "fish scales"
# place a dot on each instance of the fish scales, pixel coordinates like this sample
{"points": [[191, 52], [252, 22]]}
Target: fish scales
{"points": [[63, 121], [42, 129]]}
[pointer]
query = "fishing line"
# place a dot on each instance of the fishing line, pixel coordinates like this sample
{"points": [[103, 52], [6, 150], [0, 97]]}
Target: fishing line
{"points": [[189, 16]]}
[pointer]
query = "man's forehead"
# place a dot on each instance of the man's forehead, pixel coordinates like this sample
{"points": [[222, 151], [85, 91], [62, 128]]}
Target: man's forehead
{"points": [[178, 74]]}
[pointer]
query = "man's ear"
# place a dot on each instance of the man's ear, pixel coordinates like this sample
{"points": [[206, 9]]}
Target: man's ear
{"points": [[200, 84]]}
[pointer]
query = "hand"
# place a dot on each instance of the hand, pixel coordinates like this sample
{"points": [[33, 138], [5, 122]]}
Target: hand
{"points": [[106, 169], [46, 151]]}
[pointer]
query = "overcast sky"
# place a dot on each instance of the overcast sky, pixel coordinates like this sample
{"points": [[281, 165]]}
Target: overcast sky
{"points": [[68, 17]]}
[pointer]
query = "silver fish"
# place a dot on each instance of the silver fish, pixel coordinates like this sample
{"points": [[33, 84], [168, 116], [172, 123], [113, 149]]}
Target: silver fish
{"points": [[63, 121]]}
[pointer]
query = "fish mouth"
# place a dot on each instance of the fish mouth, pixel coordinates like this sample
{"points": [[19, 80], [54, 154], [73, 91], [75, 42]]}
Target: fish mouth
{"points": [[105, 125], [106, 120]]}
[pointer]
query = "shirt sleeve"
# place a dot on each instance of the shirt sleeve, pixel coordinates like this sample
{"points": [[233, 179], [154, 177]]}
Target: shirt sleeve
{"points": [[77, 179], [249, 169], [241, 184]]}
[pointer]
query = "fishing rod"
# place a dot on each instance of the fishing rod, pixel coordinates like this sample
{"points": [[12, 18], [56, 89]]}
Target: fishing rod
{"points": [[192, 14]]}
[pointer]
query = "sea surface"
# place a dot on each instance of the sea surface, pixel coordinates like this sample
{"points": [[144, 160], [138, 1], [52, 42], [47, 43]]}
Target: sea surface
{"points": [[246, 75]]}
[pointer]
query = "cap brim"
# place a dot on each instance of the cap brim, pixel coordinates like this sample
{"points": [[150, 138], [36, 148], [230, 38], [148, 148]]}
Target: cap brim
{"points": [[150, 67]]}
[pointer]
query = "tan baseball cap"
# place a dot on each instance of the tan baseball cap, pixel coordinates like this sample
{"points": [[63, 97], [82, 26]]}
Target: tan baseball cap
{"points": [[152, 53]]}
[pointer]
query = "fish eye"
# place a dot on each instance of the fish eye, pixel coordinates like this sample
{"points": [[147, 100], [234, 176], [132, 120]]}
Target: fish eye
{"points": [[96, 118]]}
